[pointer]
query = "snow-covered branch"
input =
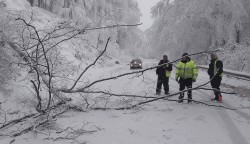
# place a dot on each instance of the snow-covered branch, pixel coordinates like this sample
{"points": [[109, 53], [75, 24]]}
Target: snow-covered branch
{"points": [[129, 73], [90, 64]]}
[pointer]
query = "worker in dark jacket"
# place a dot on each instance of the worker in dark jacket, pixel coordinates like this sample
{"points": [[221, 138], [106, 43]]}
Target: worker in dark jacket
{"points": [[215, 71], [163, 72]]}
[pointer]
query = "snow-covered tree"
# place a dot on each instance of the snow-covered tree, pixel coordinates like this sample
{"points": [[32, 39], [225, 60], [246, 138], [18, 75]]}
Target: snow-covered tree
{"points": [[100, 12], [245, 33], [7, 70], [194, 25]]}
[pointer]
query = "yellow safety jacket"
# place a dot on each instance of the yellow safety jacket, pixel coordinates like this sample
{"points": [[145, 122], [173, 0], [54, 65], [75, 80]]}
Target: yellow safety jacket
{"points": [[168, 73], [187, 70], [215, 68]]}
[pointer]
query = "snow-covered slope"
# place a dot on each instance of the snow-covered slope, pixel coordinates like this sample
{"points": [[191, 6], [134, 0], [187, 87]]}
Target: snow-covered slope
{"points": [[80, 51], [68, 58]]}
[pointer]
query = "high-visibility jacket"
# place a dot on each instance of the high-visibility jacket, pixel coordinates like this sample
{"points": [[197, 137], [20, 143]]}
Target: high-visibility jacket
{"points": [[164, 70], [187, 70], [215, 69], [168, 73]]}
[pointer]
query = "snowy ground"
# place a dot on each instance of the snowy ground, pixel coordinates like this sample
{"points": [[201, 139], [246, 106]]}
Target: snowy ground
{"points": [[160, 122]]}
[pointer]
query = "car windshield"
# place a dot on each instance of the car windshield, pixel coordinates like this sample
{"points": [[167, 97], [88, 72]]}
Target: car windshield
{"points": [[136, 60]]}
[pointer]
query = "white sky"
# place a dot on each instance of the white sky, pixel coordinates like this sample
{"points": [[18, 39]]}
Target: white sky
{"points": [[145, 6]]}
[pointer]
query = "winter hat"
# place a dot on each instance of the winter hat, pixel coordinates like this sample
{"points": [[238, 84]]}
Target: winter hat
{"points": [[185, 54], [214, 56]]}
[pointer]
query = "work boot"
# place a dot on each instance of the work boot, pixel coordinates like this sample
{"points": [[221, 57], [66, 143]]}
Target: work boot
{"points": [[189, 98], [180, 99], [219, 98]]}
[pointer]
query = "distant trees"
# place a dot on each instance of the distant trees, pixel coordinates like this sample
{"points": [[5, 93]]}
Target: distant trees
{"points": [[100, 12], [31, 2], [195, 25]]}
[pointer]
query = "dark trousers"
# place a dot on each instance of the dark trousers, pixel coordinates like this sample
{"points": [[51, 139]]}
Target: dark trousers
{"points": [[215, 83], [185, 83], [164, 81]]}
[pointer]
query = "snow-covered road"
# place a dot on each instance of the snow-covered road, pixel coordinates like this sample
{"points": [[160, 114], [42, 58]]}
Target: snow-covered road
{"points": [[170, 122], [159, 122]]}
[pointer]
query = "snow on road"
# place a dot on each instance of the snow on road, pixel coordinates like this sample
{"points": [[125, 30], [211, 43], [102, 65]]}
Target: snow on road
{"points": [[159, 122]]}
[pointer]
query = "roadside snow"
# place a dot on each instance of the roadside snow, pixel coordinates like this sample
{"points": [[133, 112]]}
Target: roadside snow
{"points": [[17, 5], [158, 122]]}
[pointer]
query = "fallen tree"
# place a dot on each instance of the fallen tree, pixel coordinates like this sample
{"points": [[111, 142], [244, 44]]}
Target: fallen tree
{"points": [[41, 56]]}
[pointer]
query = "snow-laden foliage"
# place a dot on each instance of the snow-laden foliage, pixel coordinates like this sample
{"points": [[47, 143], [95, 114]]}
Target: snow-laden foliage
{"points": [[245, 33], [99, 13], [86, 13], [194, 25], [52, 49], [7, 69], [236, 57]]}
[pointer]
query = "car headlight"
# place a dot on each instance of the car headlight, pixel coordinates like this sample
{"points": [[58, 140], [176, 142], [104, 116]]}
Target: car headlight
{"points": [[140, 64]]}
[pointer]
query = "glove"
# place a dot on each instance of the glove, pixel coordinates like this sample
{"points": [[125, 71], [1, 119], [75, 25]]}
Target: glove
{"points": [[194, 80]]}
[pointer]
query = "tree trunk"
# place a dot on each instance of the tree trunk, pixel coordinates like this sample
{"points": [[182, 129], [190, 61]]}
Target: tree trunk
{"points": [[31, 2], [237, 36], [39, 3], [219, 31]]}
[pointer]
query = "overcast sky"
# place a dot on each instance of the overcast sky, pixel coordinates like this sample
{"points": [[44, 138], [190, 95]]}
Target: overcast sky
{"points": [[145, 6]]}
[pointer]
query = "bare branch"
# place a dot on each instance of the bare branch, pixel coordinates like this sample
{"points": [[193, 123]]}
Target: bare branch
{"points": [[112, 26], [28, 64], [200, 102], [90, 65], [4, 115], [165, 97], [39, 124], [217, 90], [130, 73], [39, 105], [117, 95], [45, 56], [16, 121]]}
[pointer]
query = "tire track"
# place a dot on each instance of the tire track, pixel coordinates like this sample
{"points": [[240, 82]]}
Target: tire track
{"points": [[242, 114], [234, 133]]}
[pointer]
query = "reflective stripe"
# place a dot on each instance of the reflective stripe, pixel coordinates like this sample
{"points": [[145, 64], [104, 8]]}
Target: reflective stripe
{"points": [[215, 68], [168, 73], [187, 70]]}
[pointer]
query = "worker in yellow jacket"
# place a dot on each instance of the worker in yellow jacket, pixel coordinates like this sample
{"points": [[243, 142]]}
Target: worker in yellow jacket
{"points": [[186, 74]]}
